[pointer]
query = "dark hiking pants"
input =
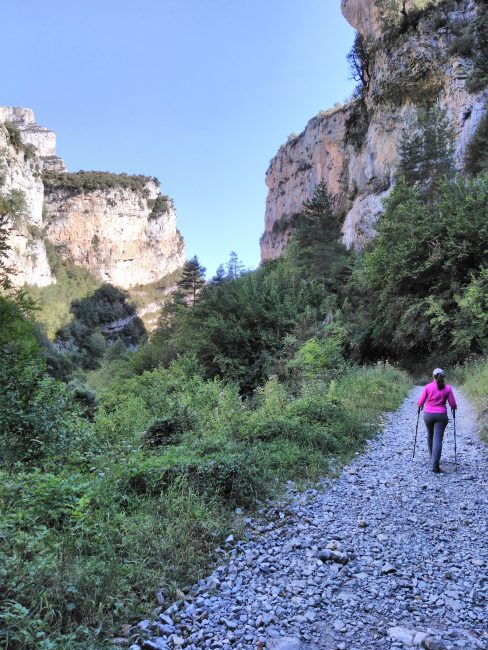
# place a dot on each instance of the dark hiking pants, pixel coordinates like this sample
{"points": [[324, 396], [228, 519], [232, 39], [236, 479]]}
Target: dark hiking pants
{"points": [[436, 424]]}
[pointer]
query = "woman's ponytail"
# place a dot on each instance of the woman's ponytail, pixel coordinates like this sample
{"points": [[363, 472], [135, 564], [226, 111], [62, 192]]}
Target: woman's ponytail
{"points": [[440, 381]]}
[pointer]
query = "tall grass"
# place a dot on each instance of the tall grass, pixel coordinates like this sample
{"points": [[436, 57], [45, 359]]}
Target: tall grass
{"points": [[475, 383], [87, 546]]}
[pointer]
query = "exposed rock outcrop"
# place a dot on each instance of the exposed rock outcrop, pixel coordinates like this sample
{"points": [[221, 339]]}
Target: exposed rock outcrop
{"points": [[115, 233], [354, 148], [21, 186], [43, 139], [120, 228]]}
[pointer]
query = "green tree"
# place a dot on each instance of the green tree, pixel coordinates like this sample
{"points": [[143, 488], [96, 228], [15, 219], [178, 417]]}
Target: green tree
{"points": [[426, 151], [235, 266], [422, 263], [220, 276], [38, 419], [470, 331], [6, 270], [316, 249], [193, 278], [476, 158], [359, 59]]}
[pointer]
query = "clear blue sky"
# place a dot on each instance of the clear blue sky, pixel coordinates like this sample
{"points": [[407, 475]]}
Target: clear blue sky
{"points": [[200, 93]]}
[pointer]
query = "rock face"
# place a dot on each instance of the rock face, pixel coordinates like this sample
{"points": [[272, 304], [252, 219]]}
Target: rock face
{"points": [[44, 140], [363, 15], [113, 233], [20, 182], [122, 230], [353, 149]]}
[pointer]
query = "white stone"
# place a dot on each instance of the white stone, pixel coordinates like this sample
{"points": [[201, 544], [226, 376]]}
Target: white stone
{"points": [[284, 643], [401, 634]]}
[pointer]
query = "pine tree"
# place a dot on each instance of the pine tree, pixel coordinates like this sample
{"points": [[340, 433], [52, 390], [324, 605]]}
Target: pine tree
{"points": [[426, 151], [359, 62], [235, 267], [193, 278], [316, 248], [219, 277]]}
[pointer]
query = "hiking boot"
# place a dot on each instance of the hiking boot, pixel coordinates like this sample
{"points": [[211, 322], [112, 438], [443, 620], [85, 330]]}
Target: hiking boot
{"points": [[437, 470]]}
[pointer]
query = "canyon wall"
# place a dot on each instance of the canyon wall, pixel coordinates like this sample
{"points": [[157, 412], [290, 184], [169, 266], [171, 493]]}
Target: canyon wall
{"points": [[115, 233], [118, 227], [22, 194], [353, 149]]}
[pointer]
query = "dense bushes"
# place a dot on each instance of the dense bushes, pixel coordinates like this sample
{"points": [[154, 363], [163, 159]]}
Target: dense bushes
{"points": [[237, 327], [39, 421], [99, 321], [86, 547], [426, 273]]}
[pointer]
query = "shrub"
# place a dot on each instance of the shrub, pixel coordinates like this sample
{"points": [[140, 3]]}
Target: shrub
{"points": [[39, 421], [90, 181], [159, 206]]}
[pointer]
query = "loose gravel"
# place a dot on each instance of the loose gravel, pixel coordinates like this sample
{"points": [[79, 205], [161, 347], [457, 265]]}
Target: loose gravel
{"points": [[387, 555]]}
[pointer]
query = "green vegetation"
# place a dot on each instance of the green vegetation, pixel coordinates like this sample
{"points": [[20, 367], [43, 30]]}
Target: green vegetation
{"points": [[89, 181], [108, 498], [426, 152], [478, 79], [419, 290], [175, 454], [427, 272], [192, 279], [476, 158], [99, 321], [159, 206], [13, 204], [15, 139], [54, 301], [114, 491], [476, 386]]}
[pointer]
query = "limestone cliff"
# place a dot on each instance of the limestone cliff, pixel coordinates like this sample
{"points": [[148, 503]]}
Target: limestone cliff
{"points": [[119, 227], [124, 235], [354, 148], [22, 192]]}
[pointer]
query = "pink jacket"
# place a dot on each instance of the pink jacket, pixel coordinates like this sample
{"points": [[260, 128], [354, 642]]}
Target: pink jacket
{"points": [[435, 399]]}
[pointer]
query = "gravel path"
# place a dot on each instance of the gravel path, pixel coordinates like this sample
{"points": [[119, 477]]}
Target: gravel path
{"points": [[387, 555]]}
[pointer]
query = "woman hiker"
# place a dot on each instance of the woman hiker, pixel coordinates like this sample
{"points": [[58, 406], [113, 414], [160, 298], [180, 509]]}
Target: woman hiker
{"points": [[434, 397]]}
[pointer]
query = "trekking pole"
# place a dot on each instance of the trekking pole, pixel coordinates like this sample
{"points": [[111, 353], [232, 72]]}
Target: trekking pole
{"points": [[416, 431], [455, 445]]}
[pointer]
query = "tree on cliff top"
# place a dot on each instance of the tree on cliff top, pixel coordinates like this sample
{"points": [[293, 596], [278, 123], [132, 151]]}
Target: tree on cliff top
{"points": [[193, 278]]}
